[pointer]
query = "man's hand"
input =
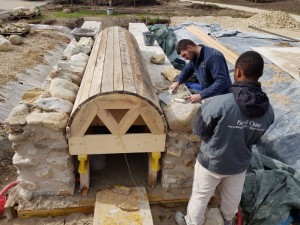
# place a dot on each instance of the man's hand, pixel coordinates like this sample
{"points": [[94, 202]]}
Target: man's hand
{"points": [[174, 86], [196, 98]]}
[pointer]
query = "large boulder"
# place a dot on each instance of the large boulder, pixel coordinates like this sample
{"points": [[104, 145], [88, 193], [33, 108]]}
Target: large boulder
{"points": [[16, 39], [53, 120], [63, 89], [5, 44], [53, 104]]}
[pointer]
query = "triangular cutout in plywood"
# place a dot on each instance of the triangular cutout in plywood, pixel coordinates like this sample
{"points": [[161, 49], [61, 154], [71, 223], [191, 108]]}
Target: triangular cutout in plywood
{"points": [[97, 127], [139, 126], [118, 114]]}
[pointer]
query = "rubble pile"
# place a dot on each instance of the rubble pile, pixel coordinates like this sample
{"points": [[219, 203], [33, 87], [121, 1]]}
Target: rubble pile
{"points": [[25, 12], [20, 28], [274, 20]]}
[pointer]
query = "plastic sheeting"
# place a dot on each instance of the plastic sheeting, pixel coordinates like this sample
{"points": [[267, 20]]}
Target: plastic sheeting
{"points": [[270, 189]]}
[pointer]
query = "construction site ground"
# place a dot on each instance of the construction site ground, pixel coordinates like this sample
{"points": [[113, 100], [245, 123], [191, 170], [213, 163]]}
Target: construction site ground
{"points": [[38, 44]]}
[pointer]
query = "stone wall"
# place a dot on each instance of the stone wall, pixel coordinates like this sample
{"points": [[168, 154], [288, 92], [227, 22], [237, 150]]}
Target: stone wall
{"points": [[37, 125], [179, 160]]}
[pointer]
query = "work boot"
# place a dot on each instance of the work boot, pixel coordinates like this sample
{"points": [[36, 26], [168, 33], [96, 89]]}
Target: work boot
{"points": [[179, 218]]}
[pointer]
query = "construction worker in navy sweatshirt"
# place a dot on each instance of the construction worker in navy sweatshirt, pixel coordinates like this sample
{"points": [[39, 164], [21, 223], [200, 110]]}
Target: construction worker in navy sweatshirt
{"points": [[210, 67], [229, 125]]}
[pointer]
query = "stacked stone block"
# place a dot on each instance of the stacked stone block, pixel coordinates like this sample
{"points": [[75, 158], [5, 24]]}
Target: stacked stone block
{"points": [[37, 126], [179, 160]]}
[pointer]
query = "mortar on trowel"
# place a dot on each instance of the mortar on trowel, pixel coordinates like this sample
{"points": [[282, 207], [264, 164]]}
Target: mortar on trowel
{"points": [[168, 97]]}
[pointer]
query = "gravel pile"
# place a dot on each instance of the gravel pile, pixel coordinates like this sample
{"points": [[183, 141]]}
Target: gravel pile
{"points": [[274, 20]]}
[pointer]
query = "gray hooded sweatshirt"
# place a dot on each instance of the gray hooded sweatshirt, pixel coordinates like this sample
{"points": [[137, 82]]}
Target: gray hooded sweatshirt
{"points": [[229, 125]]}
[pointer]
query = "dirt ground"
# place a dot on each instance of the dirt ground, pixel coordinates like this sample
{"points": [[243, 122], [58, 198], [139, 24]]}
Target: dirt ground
{"points": [[38, 43]]}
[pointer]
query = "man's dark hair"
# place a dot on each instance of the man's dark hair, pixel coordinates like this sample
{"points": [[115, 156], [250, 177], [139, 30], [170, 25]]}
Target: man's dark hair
{"points": [[251, 63], [182, 45]]}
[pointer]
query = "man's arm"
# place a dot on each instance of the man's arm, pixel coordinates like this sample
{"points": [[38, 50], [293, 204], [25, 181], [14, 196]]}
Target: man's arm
{"points": [[218, 68], [206, 120], [185, 73]]}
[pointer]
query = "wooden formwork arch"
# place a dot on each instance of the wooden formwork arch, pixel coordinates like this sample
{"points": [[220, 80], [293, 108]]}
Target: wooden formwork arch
{"points": [[115, 98]]}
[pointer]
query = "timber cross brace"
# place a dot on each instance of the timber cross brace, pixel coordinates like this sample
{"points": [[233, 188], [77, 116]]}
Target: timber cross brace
{"points": [[116, 109]]}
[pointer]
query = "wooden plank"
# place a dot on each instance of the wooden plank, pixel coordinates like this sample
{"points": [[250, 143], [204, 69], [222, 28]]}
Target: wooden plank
{"points": [[229, 55], [88, 75], [128, 120], [126, 65], [110, 144], [153, 120], [83, 119], [98, 71], [107, 211], [118, 79], [136, 70], [24, 214], [287, 58], [108, 120], [107, 84], [120, 101]]}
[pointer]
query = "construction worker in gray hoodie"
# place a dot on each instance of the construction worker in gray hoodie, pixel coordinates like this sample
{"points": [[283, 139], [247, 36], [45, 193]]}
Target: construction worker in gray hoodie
{"points": [[229, 125]]}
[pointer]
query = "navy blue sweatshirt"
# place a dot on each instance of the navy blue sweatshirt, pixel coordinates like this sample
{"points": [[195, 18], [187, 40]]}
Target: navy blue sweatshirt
{"points": [[211, 70]]}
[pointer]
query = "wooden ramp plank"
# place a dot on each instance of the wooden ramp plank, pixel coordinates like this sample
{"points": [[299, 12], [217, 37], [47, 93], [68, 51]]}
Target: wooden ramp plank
{"points": [[107, 211], [287, 58]]}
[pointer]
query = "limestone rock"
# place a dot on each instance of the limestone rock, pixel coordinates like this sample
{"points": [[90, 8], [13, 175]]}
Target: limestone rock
{"points": [[79, 59], [57, 82], [44, 172], [16, 138], [86, 41], [213, 216], [63, 89], [16, 121], [5, 44], [66, 66], [55, 121], [31, 95], [180, 116], [158, 59], [53, 104], [70, 50], [16, 39], [28, 185], [23, 163], [170, 73], [18, 110]]}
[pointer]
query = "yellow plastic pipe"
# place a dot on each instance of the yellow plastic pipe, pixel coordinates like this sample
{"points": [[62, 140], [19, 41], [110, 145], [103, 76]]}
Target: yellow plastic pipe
{"points": [[82, 168], [154, 161]]}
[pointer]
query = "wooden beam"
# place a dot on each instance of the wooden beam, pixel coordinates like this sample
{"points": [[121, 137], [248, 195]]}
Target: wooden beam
{"points": [[83, 119], [98, 71], [111, 144], [118, 79], [229, 55], [108, 120], [128, 120], [25, 214], [276, 34]]}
